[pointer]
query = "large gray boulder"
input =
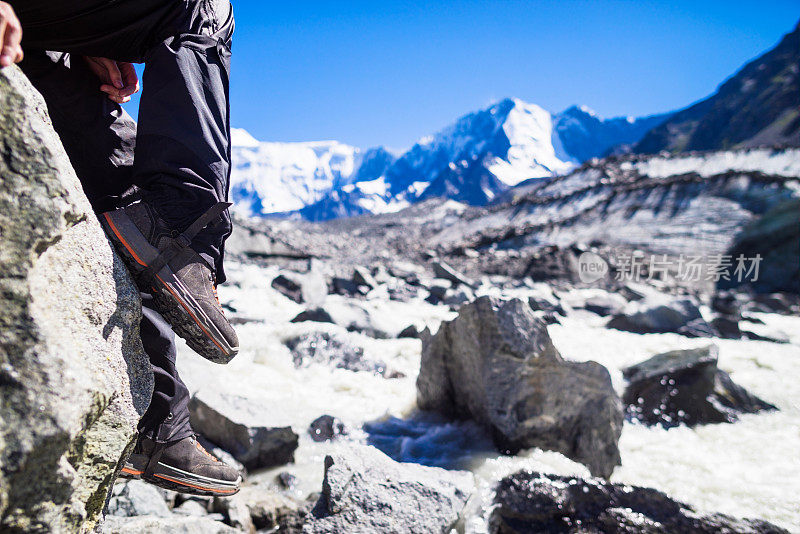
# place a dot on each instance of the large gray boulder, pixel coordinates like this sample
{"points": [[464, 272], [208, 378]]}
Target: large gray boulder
{"points": [[495, 364], [536, 502], [73, 376], [366, 491]]}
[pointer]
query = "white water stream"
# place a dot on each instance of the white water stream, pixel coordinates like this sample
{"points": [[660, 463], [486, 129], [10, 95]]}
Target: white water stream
{"points": [[747, 469]]}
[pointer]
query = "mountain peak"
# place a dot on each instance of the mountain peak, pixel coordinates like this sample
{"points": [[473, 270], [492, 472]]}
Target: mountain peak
{"points": [[242, 138]]}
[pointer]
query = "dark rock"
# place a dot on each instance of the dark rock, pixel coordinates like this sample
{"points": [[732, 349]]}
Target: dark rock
{"points": [[603, 305], [366, 491], [534, 502], [727, 328], [439, 288], [74, 379], [495, 364], [698, 328], [660, 314], [325, 428], [317, 315], [290, 286], [363, 277], [344, 286], [546, 304], [548, 317], [446, 272], [782, 303], [459, 296], [411, 331], [331, 349], [230, 426], [553, 263], [686, 387], [727, 304], [286, 480]]}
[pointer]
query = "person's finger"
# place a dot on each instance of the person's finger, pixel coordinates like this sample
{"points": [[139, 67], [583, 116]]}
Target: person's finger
{"points": [[5, 59], [110, 89], [11, 39], [115, 76], [129, 76]]}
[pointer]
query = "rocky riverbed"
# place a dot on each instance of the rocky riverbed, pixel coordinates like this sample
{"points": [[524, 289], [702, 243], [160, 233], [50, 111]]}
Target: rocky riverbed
{"points": [[350, 364]]}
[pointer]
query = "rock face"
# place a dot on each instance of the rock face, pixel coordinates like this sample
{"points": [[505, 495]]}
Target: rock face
{"points": [[686, 387], [535, 502], [495, 363], [73, 374], [366, 491], [255, 444]]}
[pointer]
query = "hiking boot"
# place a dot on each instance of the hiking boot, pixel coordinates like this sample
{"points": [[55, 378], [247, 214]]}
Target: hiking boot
{"points": [[183, 466], [180, 280]]}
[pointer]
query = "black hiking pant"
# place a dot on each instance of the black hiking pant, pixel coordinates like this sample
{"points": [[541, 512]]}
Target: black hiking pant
{"points": [[177, 159]]}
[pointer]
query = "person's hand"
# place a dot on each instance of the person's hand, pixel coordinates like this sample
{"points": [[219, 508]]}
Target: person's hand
{"points": [[10, 36], [118, 79]]}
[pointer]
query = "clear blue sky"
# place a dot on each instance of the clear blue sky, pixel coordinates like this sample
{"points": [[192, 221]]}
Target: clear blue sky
{"points": [[386, 73]]}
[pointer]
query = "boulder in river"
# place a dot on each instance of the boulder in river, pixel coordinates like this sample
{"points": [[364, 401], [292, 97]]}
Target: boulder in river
{"points": [[253, 442], [366, 491], [73, 374], [657, 314], [535, 502], [316, 315], [325, 428], [686, 387], [495, 363]]}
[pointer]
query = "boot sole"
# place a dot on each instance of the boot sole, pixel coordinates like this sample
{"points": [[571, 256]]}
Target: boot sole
{"points": [[171, 297], [175, 479]]}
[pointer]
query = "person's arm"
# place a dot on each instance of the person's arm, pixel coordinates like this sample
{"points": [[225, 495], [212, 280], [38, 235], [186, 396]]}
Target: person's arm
{"points": [[10, 36]]}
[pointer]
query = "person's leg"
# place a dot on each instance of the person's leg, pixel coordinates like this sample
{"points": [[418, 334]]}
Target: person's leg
{"points": [[183, 149], [99, 138], [172, 241], [182, 162], [167, 417]]}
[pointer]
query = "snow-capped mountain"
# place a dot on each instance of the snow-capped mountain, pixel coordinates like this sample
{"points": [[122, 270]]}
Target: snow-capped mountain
{"points": [[473, 160], [585, 135]]}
